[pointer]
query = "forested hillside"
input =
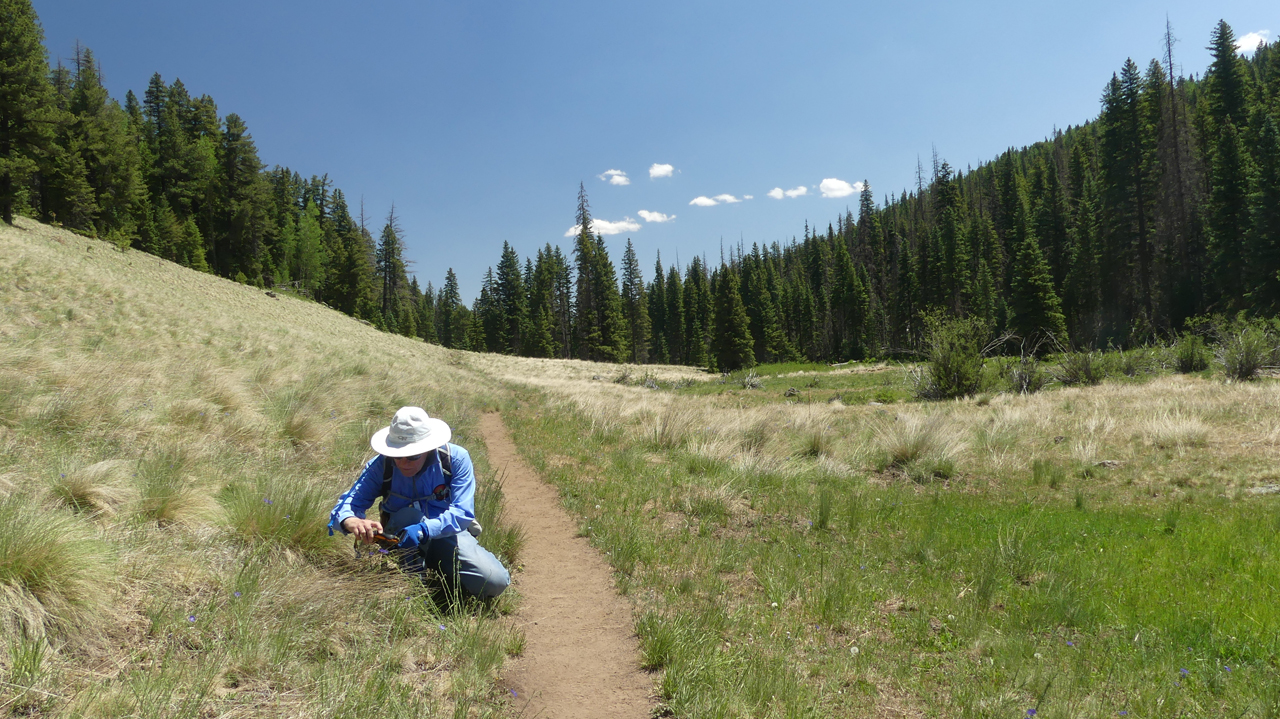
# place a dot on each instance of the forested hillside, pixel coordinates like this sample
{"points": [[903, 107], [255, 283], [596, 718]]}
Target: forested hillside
{"points": [[1164, 208]]}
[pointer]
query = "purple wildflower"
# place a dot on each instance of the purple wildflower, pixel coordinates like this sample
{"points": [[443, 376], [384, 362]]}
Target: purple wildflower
{"points": [[1031, 712], [1071, 644], [513, 693], [442, 627], [1184, 672], [191, 618], [236, 595]]}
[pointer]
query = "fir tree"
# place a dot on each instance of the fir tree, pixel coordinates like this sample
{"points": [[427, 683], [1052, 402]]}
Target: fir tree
{"points": [[675, 316], [1264, 215], [1036, 308], [635, 307], [732, 342], [27, 104], [657, 299], [512, 301]]}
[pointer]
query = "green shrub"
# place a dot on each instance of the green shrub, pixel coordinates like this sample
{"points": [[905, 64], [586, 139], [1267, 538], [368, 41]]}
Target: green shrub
{"points": [[954, 368], [1080, 369], [1191, 354], [1025, 375]]}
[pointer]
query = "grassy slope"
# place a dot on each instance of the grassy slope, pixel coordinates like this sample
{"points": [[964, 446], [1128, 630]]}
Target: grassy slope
{"points": [[170, 445], [975, 554]]}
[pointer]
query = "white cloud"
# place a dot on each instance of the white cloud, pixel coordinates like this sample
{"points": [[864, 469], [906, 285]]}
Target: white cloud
{"points": [[703, 201], [831, 187], [726, 199], [657, 170], [648, 216], [605, 227], [776, 193], [1250, 42], [615, 177], [800, 191], [748, 197]]}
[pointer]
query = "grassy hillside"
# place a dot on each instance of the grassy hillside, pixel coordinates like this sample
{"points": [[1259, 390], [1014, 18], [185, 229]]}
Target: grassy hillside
{"points": [[170, 445]]}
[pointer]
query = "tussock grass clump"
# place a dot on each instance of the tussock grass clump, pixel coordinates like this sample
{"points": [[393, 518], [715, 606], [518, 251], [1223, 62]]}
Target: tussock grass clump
{"points": [[671, 427], [1048, 473], [284, 510], [924, 447], [53, 572], [1245, 347], [168, 492], [102, 488], [1172, 430], [1025, 375], [501, 537]]}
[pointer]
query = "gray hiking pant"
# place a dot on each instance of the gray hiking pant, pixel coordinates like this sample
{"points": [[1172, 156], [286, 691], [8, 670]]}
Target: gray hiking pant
{"points": [[458, 559]]}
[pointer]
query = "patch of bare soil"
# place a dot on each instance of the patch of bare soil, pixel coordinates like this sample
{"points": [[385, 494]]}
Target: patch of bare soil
{"points": [[581, 657]]}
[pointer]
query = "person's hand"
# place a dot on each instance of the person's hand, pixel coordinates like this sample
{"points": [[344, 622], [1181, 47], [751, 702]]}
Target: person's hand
{"points": [[413, 535], [364, 529]]}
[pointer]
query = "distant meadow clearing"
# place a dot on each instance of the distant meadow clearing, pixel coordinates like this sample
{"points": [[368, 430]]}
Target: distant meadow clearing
{"points": [[804, 542]]}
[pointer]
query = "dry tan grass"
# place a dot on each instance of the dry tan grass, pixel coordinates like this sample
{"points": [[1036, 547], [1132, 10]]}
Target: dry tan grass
{"points": [[133, 391]]}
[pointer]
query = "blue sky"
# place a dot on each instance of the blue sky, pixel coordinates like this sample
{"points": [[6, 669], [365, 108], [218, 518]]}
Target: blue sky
{"points": [[478, 120]]}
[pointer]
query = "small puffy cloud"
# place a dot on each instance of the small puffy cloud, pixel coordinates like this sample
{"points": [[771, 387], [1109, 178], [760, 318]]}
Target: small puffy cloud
{"points": [[657, 170], [800, 191], [703, 201], [615, 177], [1250, 42], [776, 193], [648, 216], [726, 199], [748, 197], [605, 227], [831, 187]]}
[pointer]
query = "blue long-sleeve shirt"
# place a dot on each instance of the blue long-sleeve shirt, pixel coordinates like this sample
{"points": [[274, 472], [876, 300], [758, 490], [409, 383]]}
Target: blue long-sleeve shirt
{"points": [[448, 506]]}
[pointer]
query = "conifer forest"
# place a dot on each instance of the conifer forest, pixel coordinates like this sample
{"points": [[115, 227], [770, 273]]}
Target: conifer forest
{"points": [[1117, 232]]}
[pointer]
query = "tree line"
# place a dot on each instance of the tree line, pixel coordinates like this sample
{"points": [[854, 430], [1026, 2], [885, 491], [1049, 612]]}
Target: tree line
{"points": [[1164, 208]]}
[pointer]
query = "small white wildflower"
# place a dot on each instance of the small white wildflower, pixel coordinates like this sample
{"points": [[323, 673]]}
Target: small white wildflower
{"points": [[853, 651], [1038, 655]]}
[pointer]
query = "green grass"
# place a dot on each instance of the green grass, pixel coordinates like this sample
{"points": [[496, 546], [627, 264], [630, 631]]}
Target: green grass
{"points": [[754, 586], [854, 383]]}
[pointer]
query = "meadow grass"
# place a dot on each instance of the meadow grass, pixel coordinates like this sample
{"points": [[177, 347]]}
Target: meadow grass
{"points": [[170, 446], [1071, 552]]}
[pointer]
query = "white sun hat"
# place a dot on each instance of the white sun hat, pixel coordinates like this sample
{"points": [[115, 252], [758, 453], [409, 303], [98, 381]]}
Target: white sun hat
{"points": [[412, 431]]}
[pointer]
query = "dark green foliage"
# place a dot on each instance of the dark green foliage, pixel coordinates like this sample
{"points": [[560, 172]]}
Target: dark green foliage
{"points": [[1191, 354], [732, 343], [955, 360], [1080, 369], [635, 307], [27, 109], [1245, 346]]}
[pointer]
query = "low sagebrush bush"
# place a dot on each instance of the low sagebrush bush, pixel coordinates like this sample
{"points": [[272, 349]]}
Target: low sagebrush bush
{"points": [[1080, 369], [1191, 354], [54, 573]]}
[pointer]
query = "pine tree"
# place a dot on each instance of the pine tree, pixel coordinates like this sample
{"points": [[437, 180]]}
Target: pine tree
{"points": [[598, 326], [675, 317], [1264, 214], [512, 301], [657, 299], [697, 313], [452, 320], [1036, 308], [427, 316], [27, 104], [635, 307], [731, 337], [309, 263], [1226, 83], [1228, 218], [390, 264]]}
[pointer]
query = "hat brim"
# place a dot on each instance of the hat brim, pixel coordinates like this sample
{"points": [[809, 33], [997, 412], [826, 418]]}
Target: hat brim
{"points": [[438, 435]]}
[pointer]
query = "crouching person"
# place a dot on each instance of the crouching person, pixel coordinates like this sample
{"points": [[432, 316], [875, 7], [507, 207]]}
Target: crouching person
{"points": [[428, 501]]}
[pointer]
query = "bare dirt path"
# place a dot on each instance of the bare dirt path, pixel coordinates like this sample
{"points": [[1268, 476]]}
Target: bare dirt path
{"points": [[581, 659]]}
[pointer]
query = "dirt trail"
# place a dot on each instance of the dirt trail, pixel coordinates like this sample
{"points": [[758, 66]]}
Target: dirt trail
{"points": [[581, 659]]}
